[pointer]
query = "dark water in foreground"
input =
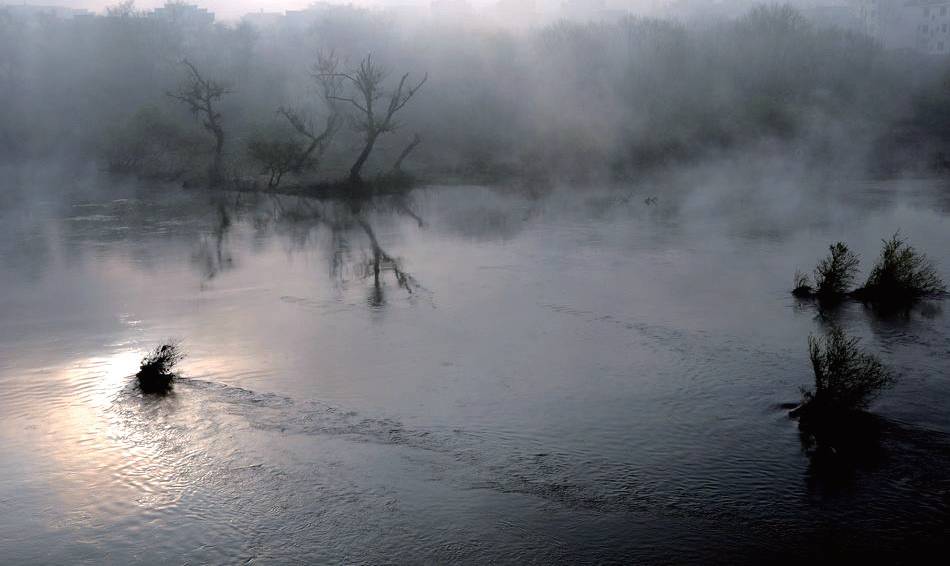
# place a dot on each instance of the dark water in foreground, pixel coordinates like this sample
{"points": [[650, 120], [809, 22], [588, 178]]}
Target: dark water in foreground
{"points": [[578, 377]]}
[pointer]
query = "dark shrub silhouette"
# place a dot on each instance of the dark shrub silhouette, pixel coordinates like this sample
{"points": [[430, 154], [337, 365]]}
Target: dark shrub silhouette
{"points": [[276, 158], [835, 274], [803, 287], [846, 378], [156, 370], [901, 275]]}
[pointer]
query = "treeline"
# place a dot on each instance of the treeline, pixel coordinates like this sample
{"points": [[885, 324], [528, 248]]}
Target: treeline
{"points": [[601, 99]]}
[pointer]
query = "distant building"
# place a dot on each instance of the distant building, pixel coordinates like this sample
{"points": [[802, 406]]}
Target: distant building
{"points": [[184, 15], [592, 11], [890, 22], [842, 15], [932, 29], [32, 11], [707, 11], [264, 20], [921, 25], [301, 19]]}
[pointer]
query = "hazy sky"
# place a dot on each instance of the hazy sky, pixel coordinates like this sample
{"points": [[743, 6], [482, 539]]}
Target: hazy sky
{"points": [[233, 8]]}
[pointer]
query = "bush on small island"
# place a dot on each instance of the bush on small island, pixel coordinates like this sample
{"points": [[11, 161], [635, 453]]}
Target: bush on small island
{"points": [[834, 275], [156, 370], [847, 379], [276, 158], [803, 287], [901, 275]]}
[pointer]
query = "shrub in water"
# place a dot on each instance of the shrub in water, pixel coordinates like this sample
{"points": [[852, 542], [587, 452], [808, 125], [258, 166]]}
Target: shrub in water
{"points": [[901, 275], [155, 372], [846, 378], [835, 274], [802, 286]]}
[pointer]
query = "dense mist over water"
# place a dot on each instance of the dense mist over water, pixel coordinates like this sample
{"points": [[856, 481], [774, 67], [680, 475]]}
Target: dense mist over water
{"points": [[610, 99], [464, 283]]}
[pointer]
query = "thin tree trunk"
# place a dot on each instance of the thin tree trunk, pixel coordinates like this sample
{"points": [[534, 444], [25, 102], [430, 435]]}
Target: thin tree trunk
{"points": [[302, 160], [356, 170], [416, 140], [216, 165]]}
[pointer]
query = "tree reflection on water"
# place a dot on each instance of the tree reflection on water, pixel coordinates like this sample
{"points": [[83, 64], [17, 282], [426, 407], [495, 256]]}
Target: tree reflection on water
{"points": [[355, 246]]}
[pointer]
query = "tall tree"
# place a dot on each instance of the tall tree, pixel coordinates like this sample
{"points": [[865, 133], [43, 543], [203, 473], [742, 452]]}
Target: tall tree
{"points": [[202, 96], [318, 142], [416, 140], [365, 93]]}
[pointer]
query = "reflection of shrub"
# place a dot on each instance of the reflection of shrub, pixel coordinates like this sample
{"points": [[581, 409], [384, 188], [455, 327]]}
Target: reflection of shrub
{"points": [[901, 275], [846, 379], [835, 274], [838, 444], [152, 144], [155, 372]]}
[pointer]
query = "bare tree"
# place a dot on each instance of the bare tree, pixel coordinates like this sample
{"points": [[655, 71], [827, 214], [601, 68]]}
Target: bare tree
{"points": [[324, 74], [318, 142], [366, 85], [202, 95]]}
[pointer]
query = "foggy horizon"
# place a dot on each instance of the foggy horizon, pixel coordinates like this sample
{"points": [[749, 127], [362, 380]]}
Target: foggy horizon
{"points": [[230, 9], [475, 286]]}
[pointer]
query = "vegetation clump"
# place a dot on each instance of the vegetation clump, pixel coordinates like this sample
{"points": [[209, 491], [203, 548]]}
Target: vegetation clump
{"points": [[156, 372], [277, 158], [152, 145], [901, 275], [847, 379], [834, 275], [803, 287]]}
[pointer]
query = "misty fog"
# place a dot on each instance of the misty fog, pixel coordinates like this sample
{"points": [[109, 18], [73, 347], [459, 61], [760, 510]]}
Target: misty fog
{"points": [[474, 281], [611, 99]]}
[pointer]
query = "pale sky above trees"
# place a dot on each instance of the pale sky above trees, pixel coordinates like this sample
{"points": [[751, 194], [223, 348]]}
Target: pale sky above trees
{"points": [[235, 8]]}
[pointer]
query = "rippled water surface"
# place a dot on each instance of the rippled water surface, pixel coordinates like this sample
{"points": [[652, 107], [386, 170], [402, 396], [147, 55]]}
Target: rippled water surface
{"points": [[570, 374]]}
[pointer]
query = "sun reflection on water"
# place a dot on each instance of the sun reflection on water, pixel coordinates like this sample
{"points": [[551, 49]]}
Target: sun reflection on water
{"points": [[81, 435]]}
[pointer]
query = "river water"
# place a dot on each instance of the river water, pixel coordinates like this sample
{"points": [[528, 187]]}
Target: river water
{"points": [[566, 374]]}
